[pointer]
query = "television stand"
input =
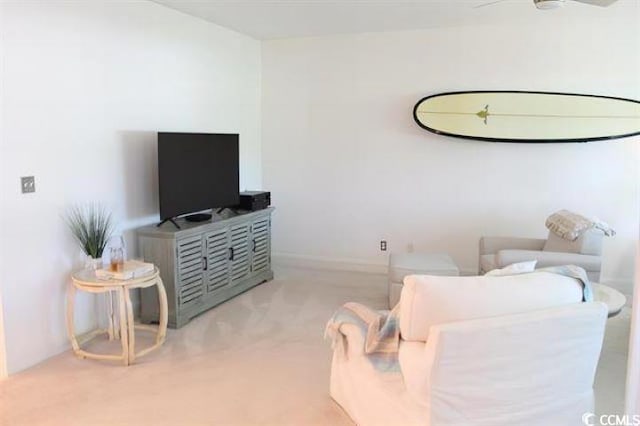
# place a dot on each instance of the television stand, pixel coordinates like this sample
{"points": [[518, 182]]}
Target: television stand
{"points": [[198, 217], [169, 220], [205, 264]]}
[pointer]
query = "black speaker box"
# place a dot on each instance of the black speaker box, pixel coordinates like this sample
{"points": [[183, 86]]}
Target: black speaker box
{"points": [[254, 200]]}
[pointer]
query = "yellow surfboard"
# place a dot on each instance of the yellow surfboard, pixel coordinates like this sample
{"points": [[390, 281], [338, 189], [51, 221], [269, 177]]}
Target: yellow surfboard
{"points": [[512, 116]]}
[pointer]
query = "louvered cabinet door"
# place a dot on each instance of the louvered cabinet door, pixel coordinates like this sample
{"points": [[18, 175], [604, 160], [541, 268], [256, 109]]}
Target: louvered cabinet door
{"points": [[190, 273], [239, 252], [217, 273], [261, 251]]}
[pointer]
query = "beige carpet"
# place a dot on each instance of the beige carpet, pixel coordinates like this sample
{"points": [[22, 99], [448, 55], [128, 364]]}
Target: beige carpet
{"points": [[258, 359]]}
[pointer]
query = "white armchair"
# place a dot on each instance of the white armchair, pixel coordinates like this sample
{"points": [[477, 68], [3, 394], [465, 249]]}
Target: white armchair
{"points": [[479, 351], [498, 252]]}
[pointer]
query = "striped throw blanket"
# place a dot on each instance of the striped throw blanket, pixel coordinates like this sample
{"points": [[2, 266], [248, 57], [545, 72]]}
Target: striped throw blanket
{"points": [[570, 225], [381, 329]]}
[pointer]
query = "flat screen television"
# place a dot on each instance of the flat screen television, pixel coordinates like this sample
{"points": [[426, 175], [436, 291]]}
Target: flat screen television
{"points": [[196, 172]]}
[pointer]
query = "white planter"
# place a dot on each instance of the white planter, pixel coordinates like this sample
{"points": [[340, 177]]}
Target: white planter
{"points": [[93, 264]]}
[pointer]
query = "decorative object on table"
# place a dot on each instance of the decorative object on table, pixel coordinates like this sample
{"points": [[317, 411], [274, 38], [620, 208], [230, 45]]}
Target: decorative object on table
{"points": [[92, 227], [129, 269], [116, 259], [86, 280], [532, 117], [116, 254]]}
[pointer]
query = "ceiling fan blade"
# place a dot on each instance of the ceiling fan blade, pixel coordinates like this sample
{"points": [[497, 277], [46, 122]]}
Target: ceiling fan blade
{"points": [[488, 4], [601, 3]]}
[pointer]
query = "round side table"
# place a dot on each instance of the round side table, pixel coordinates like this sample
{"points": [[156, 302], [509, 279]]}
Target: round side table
{"points": [[86, 280], [611, 297]]}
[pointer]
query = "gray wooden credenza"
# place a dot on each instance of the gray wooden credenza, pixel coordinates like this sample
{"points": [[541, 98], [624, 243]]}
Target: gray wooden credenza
{"points": [[205, 264]]}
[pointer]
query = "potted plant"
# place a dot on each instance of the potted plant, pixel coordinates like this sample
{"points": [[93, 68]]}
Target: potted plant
{"points": [[92, 227]]}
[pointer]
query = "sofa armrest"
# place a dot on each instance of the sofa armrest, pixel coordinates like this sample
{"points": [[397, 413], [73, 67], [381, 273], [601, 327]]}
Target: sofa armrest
{"points": [[491, 245], [548, 258], [416, 362], [353, 340]]}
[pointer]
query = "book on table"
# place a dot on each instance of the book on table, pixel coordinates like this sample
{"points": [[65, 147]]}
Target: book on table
{"points": [[131, 269]]}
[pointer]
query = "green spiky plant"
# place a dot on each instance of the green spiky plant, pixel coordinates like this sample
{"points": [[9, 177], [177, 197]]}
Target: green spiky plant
{"points": [[91, 226]]}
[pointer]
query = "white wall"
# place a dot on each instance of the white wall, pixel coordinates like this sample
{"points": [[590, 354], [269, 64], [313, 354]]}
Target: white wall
{"points": [[86, 86], [632, 394], [3, 352], [347, 165]]}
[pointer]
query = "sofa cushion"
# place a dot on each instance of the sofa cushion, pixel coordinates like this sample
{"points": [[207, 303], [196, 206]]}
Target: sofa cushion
{"points": [[590, 242], [430, 300], [549, 258], [514, 269], [488, 262]]}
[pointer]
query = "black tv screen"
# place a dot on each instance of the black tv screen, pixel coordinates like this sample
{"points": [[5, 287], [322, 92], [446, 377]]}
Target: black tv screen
{"points": [[197, 171]]}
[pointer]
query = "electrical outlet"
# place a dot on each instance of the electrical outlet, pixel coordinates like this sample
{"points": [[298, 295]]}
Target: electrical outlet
{"points": [[28, 184], [383, 245]]}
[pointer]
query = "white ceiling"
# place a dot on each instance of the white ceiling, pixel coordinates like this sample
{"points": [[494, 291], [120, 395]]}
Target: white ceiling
{"points": [[272, 19]]}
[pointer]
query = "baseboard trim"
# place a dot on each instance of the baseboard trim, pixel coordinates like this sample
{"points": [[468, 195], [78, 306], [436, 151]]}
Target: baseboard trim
{"points": [[335, 264], [625, 286], [339, 264]]}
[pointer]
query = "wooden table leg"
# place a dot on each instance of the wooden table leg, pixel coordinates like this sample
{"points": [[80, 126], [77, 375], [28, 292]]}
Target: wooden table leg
{"points": [[71, 297], [116, 330], [162, 323], [110, 328], [130, 326], [124, 335]]}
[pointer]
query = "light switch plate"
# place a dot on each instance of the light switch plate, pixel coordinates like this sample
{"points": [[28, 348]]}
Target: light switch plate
{"points": [[28, 184]]}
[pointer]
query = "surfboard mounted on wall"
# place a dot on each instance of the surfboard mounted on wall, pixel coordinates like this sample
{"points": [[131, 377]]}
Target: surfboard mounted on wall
{"points": [[531, 117]]}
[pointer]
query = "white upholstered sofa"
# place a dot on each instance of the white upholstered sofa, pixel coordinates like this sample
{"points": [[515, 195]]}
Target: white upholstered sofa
{"points": [[585, 252], [479, 351]]}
